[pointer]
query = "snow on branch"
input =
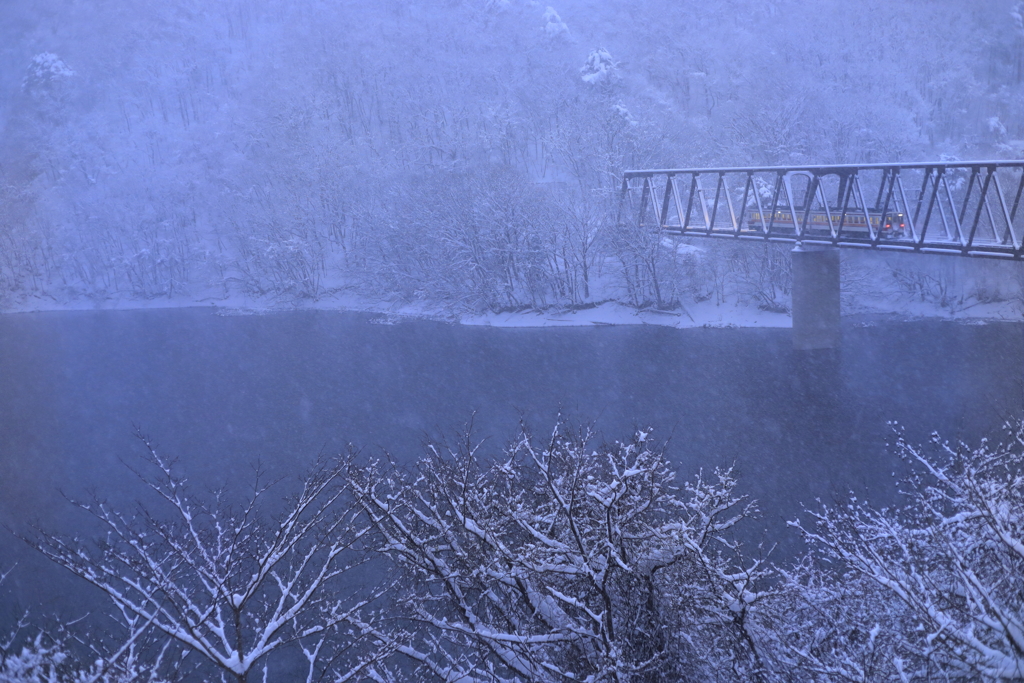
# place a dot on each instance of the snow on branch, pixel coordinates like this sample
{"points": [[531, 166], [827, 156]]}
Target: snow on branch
{"points": [[553, 561], [946, 570], [235, 585]]}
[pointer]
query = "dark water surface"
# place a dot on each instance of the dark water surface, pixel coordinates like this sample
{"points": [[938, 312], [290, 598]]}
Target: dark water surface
{"points": [[219, 392]]}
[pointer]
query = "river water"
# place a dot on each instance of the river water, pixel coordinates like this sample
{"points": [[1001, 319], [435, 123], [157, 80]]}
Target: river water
{"points": [[219, 392]]}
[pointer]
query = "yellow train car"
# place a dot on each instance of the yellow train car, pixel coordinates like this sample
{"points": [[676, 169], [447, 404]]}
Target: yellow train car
{"points": [[853, 224]]}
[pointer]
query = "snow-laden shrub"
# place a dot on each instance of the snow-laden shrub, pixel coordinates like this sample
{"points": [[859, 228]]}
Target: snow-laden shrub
{"points": [[235, 588], [825, 627], [944, 574], [598, 68], [45, 661], [554, 27], [764, 275], [35, 663], [46, 68], [556, 561]]}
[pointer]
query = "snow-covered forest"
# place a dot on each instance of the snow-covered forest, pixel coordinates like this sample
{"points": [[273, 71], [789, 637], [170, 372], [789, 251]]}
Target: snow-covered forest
{"points": [[464, 154], [555, 560]]}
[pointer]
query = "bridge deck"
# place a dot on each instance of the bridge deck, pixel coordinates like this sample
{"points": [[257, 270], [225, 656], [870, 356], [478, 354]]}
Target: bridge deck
{"points": [[962, 208]]}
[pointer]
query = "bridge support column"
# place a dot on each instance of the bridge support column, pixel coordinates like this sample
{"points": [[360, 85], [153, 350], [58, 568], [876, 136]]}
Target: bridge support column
{"points": [[815, 298]]}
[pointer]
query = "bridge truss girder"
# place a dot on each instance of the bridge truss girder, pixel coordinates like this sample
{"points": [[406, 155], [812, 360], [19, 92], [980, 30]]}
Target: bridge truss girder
{"points": [[963, 208]]}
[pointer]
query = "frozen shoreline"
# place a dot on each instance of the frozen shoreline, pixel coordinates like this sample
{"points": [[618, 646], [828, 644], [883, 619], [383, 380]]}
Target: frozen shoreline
{"points": [[704, 314]]}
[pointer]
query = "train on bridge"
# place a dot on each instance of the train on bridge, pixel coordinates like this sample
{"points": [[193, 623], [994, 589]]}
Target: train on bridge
{"points": [[853, 223], [967, 208]]}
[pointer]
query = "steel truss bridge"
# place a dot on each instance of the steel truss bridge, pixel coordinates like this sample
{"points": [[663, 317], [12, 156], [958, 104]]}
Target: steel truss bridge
{"points": [[968, 208]]}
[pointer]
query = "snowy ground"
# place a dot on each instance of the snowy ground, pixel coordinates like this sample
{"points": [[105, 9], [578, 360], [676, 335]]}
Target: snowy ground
{"points": [[704, 314], [707, 314], [970, 312]]}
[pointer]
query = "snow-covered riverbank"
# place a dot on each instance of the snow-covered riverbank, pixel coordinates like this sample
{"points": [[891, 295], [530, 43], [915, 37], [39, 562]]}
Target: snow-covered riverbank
{"points": [[702, 314], [901, 286]]}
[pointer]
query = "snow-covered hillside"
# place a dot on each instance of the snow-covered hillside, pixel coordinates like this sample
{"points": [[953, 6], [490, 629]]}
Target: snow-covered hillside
{"points": [[460, 157]]}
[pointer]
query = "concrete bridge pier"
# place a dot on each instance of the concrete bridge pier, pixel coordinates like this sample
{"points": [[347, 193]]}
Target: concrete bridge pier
{"points": [[815, 297]]}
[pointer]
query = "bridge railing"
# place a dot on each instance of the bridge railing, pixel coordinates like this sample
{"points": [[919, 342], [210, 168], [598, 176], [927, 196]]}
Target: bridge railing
{"points": [[968, 208]]}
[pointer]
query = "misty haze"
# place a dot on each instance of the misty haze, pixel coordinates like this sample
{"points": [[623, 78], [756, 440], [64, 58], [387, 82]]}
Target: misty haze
{"points": [[492, 341]]}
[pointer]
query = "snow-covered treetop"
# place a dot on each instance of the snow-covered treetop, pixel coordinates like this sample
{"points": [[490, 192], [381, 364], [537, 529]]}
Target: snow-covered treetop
{"points": [[599, 67], [554, 27], [46, 68]]}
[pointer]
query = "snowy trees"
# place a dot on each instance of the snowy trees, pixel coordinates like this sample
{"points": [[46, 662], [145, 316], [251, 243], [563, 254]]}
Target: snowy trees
{"points": [[950, 567], [130, 165], [233, 585], [551, 561], [38, 657], [573, 259], [470, 240], [556, 562], [44, 660], [764, 274]]}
